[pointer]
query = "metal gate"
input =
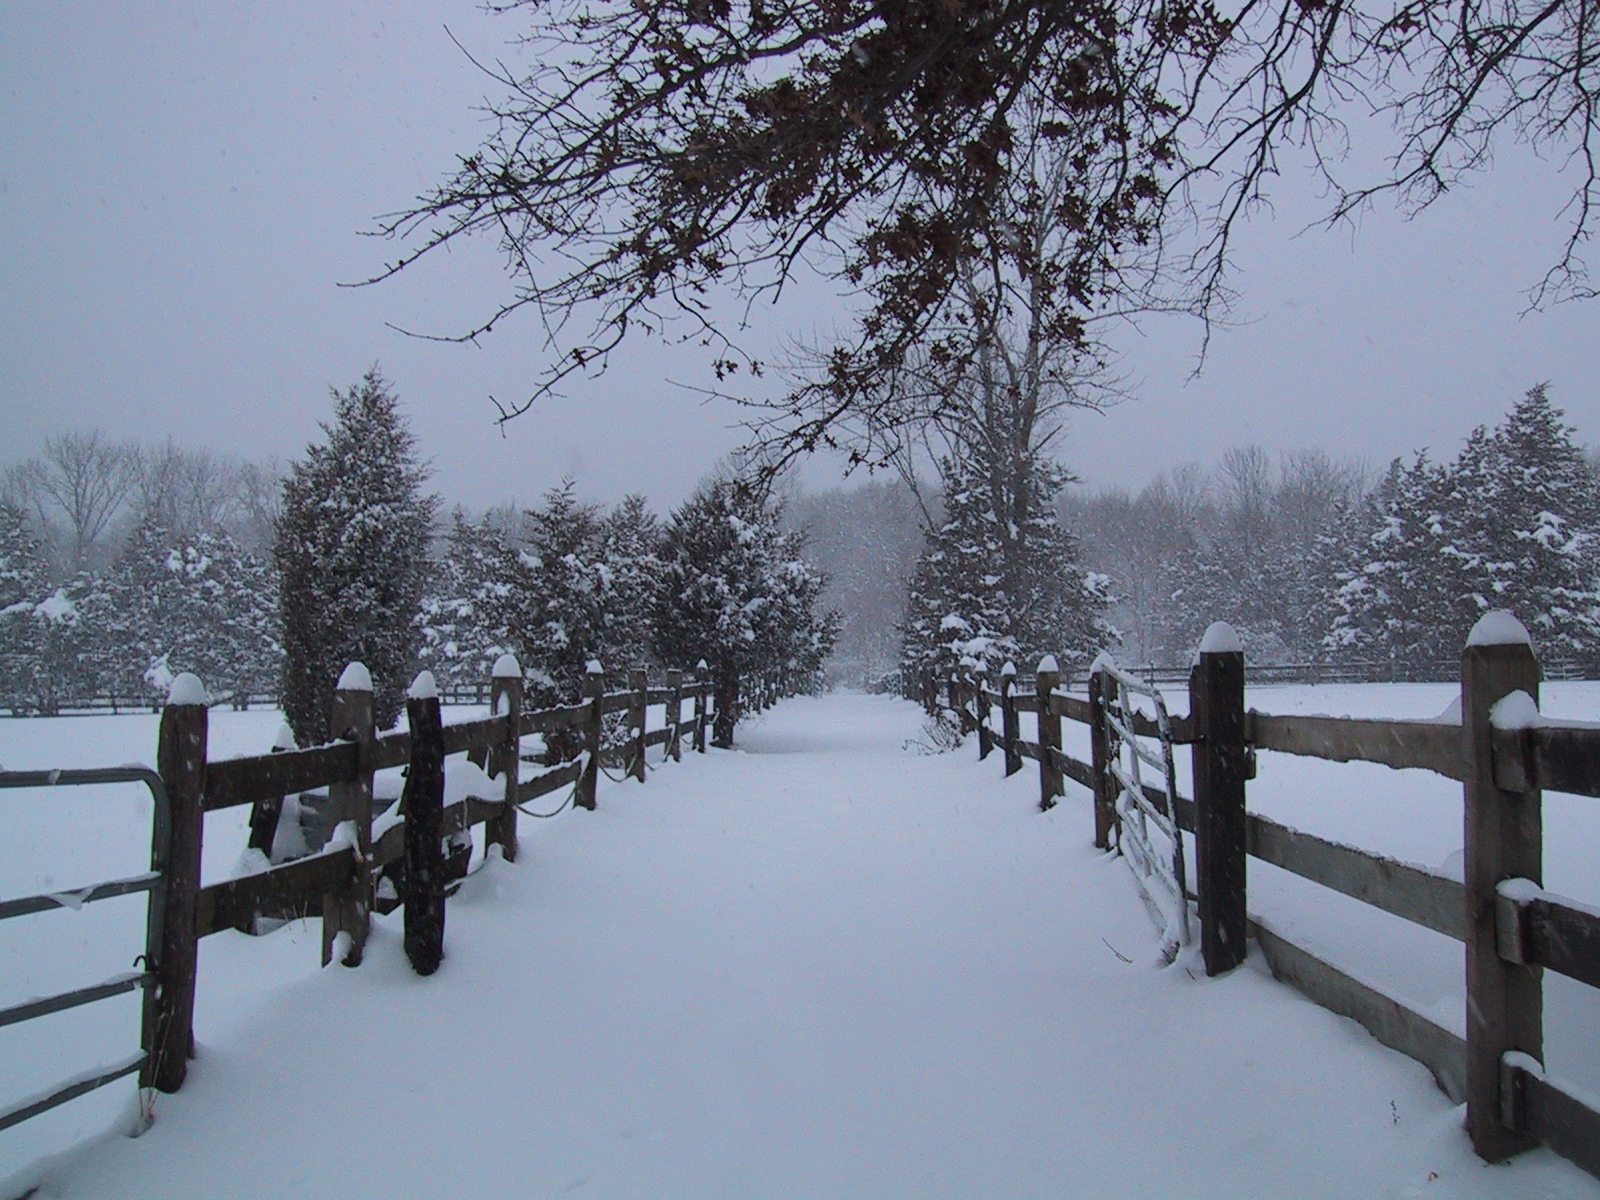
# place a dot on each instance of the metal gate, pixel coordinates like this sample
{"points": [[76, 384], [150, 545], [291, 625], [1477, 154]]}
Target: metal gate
{"points": [[152, 881], [1147, 831]]}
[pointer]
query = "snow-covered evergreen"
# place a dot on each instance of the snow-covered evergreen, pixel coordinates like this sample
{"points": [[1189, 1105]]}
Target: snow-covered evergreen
{"points": [[1000, 579], [737, 592], [1513, 522], [351, 547]]}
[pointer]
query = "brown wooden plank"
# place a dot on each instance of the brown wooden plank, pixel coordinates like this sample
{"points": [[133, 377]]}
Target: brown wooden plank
{"points": [[390, 750], [659, 695], [293, 887], [1430, 900], [1029, 749], [1389, 1021], [1550, 758], [1561, 1121], [617, 702], [1078, 772], [1070, 707], [389, 846], [546, 719], [234, 781], [465, 735], [1562, 938], [467, 812], [1025, 702], [540, 785], [658, 737], [1398, 744]]}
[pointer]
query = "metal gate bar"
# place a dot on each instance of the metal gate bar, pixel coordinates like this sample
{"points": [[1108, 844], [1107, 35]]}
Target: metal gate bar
{"points": [[151, 881]]}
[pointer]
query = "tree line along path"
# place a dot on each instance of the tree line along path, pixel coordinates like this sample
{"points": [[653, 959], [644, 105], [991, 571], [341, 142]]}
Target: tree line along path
{"points": [[828, 963]]}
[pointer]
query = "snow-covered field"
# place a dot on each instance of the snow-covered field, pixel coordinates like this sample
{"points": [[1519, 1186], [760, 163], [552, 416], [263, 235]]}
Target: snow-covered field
{"points": [[823, 965]]}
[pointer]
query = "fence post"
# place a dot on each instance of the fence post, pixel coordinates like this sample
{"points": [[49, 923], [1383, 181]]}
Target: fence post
{"points": [[638, 710], [701, 690], [594, 691], [1105, 792], [181, 763], [1008, 718], [424, 828], [1503, 840], [349, 909], [1046, 680], [981, 705], [675, 715], [1216, 691], [505, 699]]}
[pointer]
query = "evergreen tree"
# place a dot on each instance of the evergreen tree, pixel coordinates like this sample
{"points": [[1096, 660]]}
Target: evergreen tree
{"points": [[351, 548], [560, 619], [1410, 599], [1002, 581], [468, 616], [737, 592], [22, 587], [1530, 513]]}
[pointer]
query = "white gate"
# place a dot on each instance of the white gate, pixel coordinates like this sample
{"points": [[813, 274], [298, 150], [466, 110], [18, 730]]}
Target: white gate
{"points": [[1147, 831]]}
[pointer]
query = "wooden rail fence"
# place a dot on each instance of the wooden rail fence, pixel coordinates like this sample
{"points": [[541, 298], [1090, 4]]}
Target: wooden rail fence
{"points": [[1502, 752], [405, 845]]}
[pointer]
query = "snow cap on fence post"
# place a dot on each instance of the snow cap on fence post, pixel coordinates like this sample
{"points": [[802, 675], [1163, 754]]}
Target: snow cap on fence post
{"points": [[1221, 638], [187, 689], [1009, 669], [1047, 665], [506, 667], [1499, 627], [284, 739], [355, 678], [701, 666], [593, 667], [423, 687]]}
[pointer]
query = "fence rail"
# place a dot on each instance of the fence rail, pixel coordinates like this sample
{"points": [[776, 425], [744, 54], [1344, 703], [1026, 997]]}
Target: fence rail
{"points": [[1501, 751]]}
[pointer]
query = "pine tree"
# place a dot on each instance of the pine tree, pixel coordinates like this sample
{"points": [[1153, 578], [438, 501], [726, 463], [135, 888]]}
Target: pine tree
{"points": [[560, 622], [737, 592], [351, 548], [1530, 510], [1000, 579], [468, 616], [1410, 598], [22, 587]]}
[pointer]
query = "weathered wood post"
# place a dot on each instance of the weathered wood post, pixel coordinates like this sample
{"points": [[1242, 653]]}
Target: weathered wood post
{"points": [[181, 763], [1503, 840], [594, 692], [638, 710], [675, 715], [505, 699], [1105, 788], [349, 909], [424, 843], [702, 691], [1216, 690], [1046, 680], [981, 703], [1009, 734]]}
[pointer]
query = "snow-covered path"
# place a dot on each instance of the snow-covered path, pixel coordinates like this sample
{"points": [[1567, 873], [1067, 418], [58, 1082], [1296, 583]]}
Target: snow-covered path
{"points": [[823, 965]]}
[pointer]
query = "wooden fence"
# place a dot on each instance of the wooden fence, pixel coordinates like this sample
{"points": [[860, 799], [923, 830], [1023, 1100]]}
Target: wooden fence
{"points": [[1512, 929], [406, 846]]}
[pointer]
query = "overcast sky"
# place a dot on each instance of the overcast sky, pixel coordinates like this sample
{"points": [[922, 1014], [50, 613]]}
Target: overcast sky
{"points": [[182, 188]]}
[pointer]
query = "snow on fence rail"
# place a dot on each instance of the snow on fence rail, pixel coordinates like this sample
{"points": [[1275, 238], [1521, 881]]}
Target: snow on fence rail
{"points": [[408, 856], [1504, 754]]}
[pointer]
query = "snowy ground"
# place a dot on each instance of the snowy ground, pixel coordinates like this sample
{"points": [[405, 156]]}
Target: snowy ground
{"points": [[822, 965]]}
